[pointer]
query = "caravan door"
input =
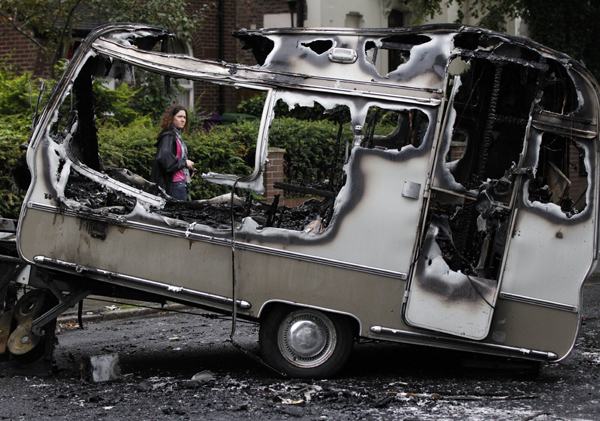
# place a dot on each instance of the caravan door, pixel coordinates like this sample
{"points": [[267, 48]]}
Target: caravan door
{"points": [[471, 203]]}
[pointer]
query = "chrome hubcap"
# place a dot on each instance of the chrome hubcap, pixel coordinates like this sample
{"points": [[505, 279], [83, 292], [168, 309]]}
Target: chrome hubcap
{"points": [[307, 338]]}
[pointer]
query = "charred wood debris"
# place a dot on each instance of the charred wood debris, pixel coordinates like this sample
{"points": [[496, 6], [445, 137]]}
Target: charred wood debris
{"points": [[216, 215]]}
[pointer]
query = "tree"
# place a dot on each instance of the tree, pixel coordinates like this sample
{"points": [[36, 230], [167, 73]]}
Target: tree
{"points": [[567, 26], [49, 24]]}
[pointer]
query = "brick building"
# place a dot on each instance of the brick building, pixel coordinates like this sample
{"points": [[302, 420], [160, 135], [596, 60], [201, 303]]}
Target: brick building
{"points": [[17, 50], [213, 42]]}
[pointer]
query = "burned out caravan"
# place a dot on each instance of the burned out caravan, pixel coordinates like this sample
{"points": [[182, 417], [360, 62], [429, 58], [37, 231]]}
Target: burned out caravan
{"points": [[461, 213]]}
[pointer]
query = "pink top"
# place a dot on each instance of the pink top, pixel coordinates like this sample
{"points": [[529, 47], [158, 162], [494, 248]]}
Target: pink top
{"points": [[179, 175]]}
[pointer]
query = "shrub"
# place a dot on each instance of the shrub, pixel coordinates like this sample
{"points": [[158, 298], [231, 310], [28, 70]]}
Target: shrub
{"points": [[13, 132], [310, 147], [114, 105], [130, 147], [15, 129], [253, 106], [15, 95], [223, 150], [10, 198]]}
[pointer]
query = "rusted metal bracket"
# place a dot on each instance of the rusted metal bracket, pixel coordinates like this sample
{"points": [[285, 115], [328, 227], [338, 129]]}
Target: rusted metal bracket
{"points": [[66, 303]]}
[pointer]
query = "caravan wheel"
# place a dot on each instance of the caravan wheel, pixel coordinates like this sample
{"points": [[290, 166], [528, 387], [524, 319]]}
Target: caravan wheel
{"points": [[305, 343]]}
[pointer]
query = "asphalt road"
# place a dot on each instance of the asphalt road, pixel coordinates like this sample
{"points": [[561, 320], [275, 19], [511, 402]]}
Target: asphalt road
{"points": [[160, 355]]}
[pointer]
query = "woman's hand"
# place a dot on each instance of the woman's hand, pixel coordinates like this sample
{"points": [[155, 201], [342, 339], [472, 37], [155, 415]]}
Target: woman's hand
{"points": [[189, 164]]}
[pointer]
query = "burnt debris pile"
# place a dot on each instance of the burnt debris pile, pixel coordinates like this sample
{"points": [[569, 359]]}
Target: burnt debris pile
{"points": [[94, 196], [311, 215], [218, 215]]}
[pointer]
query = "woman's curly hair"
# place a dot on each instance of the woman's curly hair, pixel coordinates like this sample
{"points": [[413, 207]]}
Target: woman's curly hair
{"points": [[166, 121]]}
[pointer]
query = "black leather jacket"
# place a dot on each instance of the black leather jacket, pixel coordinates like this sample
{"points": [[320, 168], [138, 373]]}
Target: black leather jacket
{"points": [[166, 164]]}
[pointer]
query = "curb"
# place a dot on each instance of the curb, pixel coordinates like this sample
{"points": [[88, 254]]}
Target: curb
{"points": [[99, 315]]}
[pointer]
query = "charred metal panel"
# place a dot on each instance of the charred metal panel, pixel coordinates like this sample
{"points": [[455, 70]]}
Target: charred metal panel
{"points": [[459, 303], [485, 198], [423, 66]]}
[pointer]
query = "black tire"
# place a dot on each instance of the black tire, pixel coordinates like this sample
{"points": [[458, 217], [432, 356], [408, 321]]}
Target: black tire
{"points": [[320, 347]]}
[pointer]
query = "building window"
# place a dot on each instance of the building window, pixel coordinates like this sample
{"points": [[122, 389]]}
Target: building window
{"points": [[186, 96], [354, 20]]}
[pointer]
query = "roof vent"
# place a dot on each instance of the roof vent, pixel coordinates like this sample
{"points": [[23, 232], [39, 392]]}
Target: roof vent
{"points": [[342, 55]]}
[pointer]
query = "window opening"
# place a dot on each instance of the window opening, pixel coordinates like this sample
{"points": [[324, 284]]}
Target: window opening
{"points": [[396, 49], [559, 178], [393, 129], [399, 47], [261, 46], [559, 93], [314, 138], [371, 52], [319, 46], [492, 107]]}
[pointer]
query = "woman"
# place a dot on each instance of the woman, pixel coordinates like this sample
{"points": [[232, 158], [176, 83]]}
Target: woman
{"points": [[171, 165]]}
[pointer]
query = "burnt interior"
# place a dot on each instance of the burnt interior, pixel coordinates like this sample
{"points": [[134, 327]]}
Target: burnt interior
{"points": [[219, 215], [561, 176], [76, 128], [385, 129], [493, 105], [97, 197], [104, 200]]}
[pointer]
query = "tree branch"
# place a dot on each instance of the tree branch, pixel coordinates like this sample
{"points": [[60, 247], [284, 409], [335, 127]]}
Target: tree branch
{"points": [[64, 30], [30, 37]]}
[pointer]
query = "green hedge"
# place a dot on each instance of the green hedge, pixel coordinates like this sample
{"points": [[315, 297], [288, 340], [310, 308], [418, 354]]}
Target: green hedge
{"points": [[14, 131], [310, 147], [230, 149], [223, 150], [15, 95], [127, 139], [129, 146]]}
